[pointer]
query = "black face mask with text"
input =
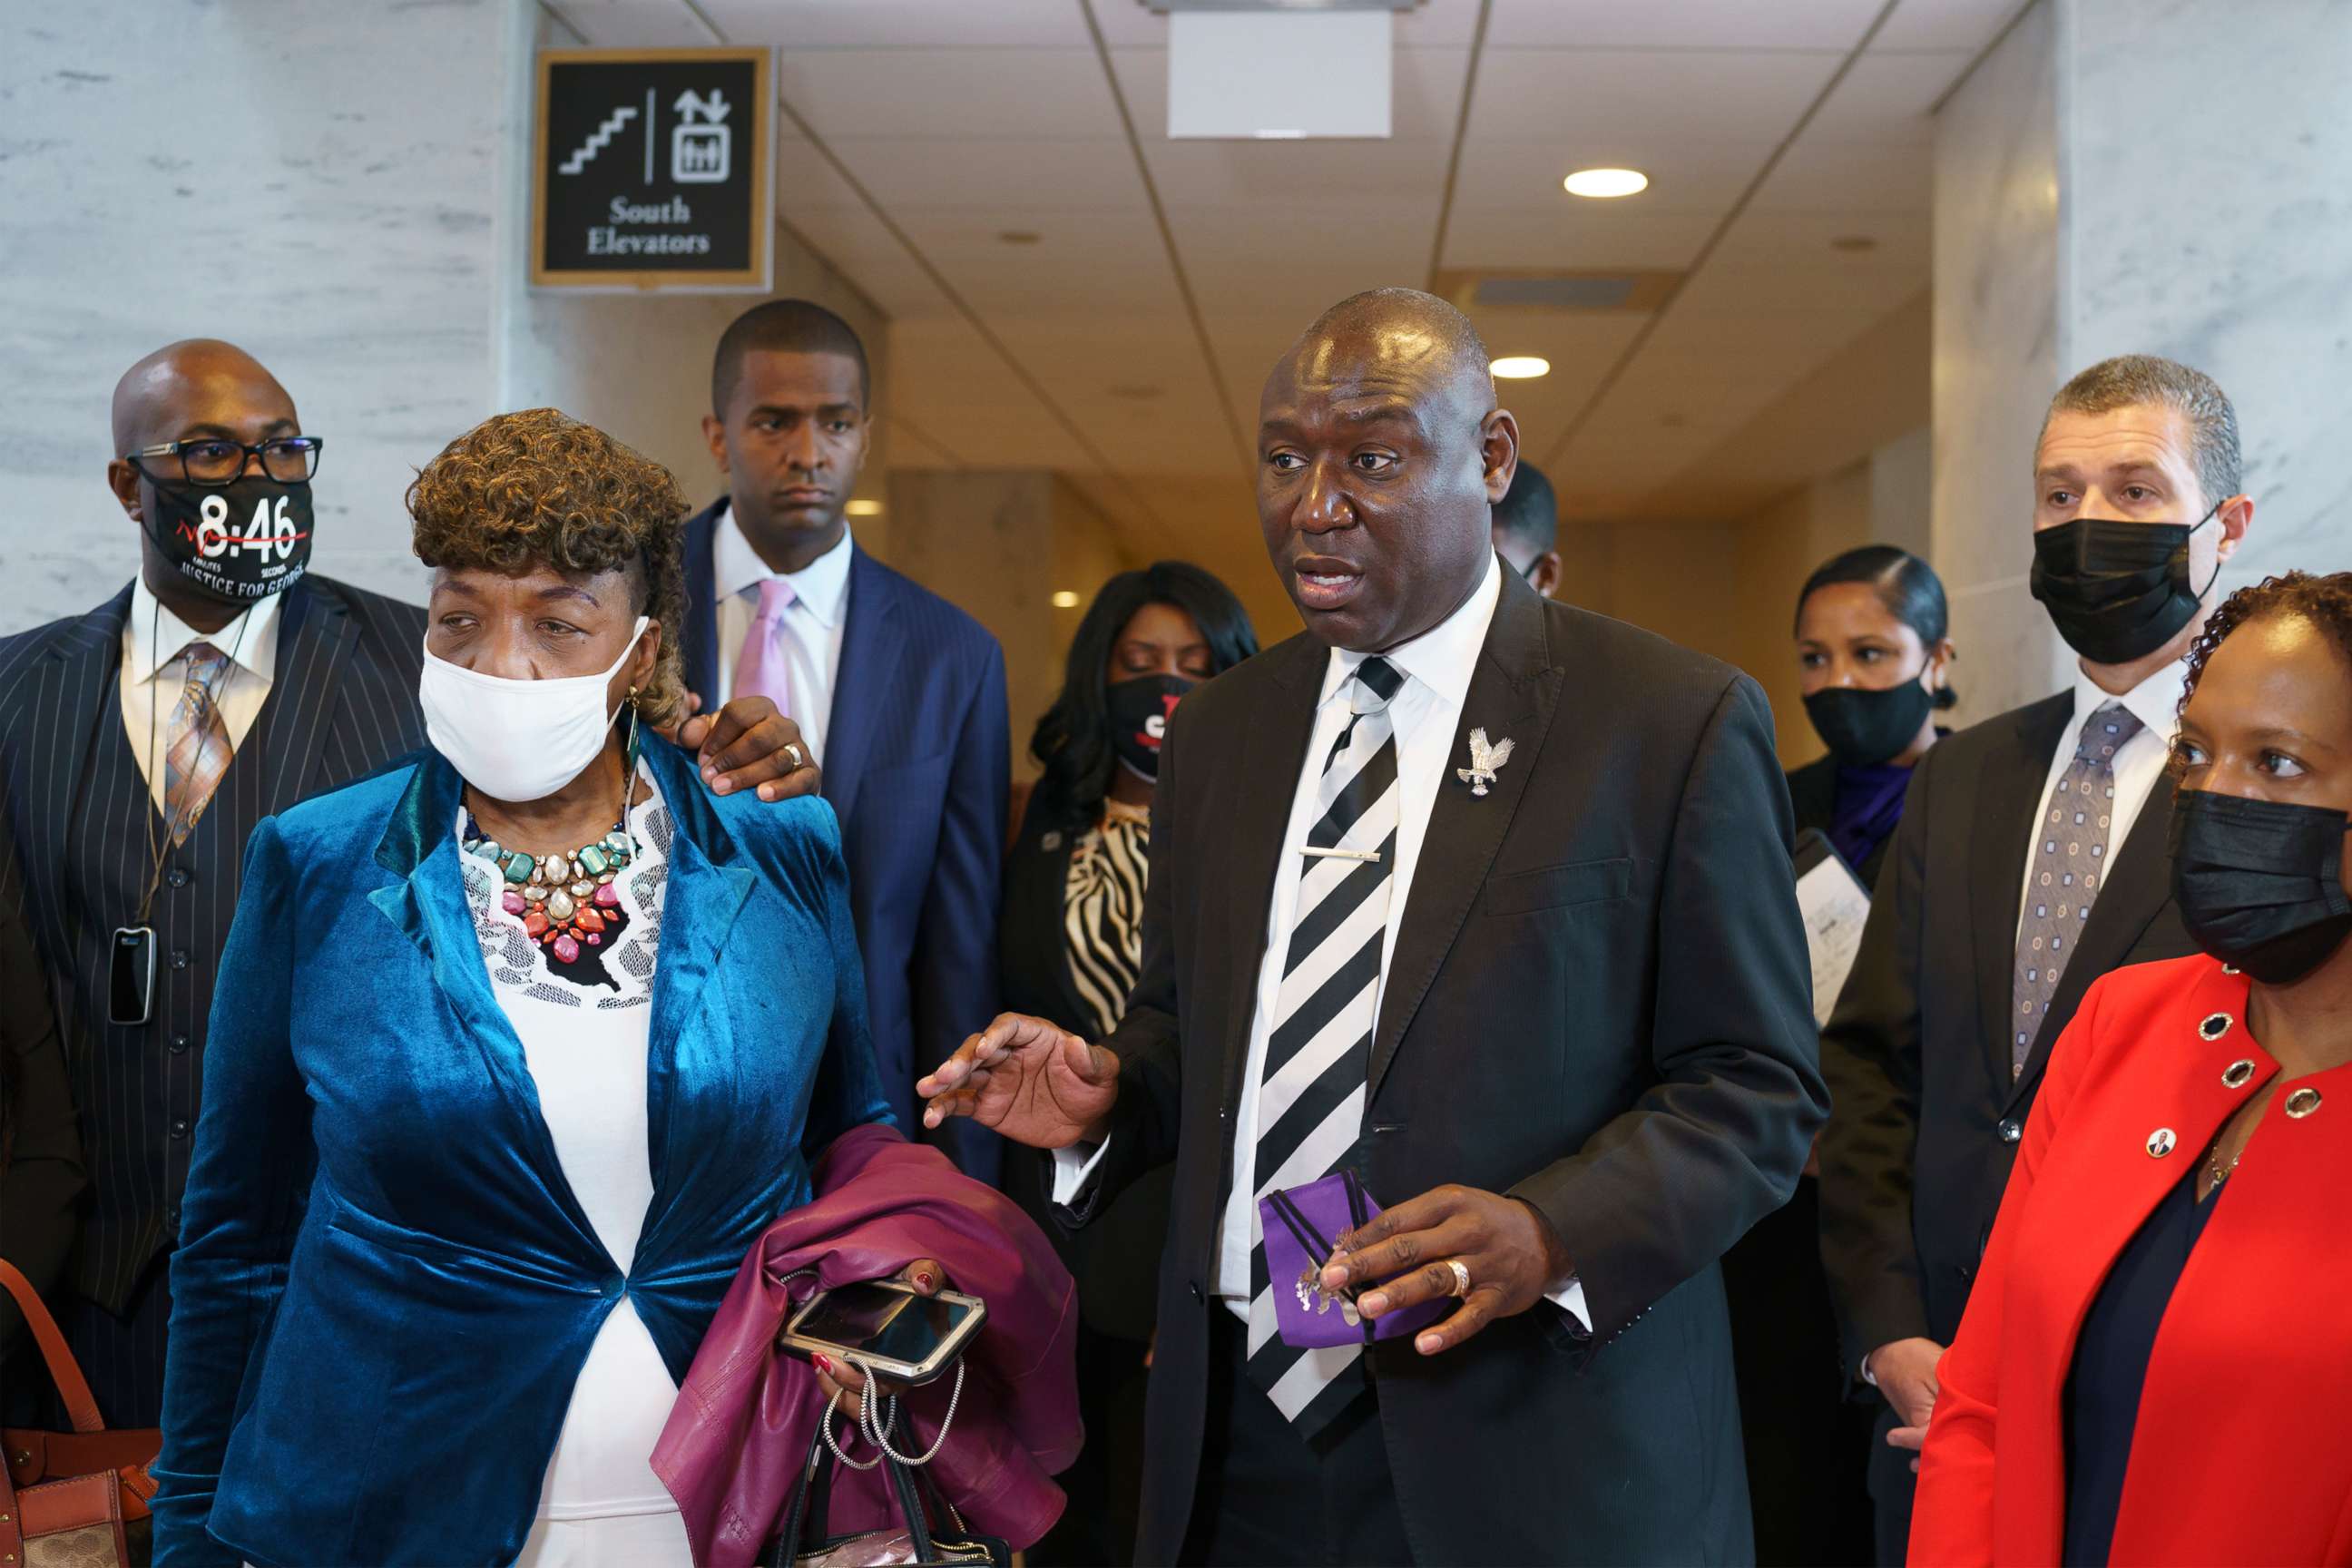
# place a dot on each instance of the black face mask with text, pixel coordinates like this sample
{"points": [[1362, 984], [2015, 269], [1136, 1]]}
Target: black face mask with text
{"points": [[2259, 883], [2118, 591], [239, 541], [1138, 711], [1861, 727]]}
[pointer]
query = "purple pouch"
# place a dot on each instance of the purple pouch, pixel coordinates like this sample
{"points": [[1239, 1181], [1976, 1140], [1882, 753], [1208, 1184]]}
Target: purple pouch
{"points": [[1299, 1223]]}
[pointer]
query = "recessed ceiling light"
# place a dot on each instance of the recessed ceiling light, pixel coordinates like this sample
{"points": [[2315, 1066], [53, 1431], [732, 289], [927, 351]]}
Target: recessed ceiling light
{"points": [[1606, 182], [1521, 367], [1018, 237], [863, 509], [1065, 599]]}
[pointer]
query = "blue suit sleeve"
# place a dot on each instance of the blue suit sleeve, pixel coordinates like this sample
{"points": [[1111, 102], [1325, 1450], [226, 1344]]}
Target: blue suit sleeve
{"points": [[248, 1188], [848, 1090], [955, 951]]}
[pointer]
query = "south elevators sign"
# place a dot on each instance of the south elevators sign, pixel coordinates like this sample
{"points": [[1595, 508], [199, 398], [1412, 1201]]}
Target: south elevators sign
{"points": [[650, 169]]}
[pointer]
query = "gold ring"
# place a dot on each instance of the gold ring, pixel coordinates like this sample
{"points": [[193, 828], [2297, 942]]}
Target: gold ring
{"points": [[1461, 1275]]}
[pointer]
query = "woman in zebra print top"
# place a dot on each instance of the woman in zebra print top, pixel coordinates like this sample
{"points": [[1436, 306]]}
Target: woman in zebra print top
{"points": [[1071, 942]]}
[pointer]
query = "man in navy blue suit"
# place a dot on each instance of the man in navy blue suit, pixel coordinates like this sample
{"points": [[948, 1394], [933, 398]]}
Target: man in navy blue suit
{"points": [[901, 693]]}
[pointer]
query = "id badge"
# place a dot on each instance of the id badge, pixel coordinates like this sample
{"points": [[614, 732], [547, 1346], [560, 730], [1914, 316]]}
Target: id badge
{"points": [[131, 977]]}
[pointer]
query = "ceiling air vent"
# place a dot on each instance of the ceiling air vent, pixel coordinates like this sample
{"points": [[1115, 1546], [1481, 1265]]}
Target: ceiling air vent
{"points": [[1505, 289]]}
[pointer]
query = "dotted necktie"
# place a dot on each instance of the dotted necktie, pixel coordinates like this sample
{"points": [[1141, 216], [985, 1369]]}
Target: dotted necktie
{"points": [[2070, 853]]}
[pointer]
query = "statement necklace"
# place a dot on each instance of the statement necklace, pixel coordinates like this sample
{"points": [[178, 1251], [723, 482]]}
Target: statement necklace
{"points": [[566, 901]]}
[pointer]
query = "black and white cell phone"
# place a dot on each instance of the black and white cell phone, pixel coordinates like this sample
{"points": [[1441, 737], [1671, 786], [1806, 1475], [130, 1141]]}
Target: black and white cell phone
{"points": [[887, 1325]]}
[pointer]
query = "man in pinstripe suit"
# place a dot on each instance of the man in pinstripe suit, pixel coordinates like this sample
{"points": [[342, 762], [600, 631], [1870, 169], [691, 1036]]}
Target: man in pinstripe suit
{"points": [[141, 743]]}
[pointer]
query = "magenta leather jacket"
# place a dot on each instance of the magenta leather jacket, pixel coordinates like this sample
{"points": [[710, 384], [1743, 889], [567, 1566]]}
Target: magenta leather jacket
{"points": [[744, 1419]]}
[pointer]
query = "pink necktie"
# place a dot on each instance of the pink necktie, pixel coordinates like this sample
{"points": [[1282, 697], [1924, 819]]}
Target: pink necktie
{"points": [[761, 669]]}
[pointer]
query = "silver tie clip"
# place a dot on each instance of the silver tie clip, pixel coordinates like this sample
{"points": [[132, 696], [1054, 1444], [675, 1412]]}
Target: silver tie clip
{"points": [[1368, 854]]}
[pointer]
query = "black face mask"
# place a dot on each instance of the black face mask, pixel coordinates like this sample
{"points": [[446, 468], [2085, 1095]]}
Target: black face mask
{"points": [[2118, 591], [1139, 718], [239, 541], [1861, 727], [2260, 882]]}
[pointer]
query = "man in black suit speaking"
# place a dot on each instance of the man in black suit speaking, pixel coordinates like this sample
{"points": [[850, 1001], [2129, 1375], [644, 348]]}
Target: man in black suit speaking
{"points": [[1550, 1002]]}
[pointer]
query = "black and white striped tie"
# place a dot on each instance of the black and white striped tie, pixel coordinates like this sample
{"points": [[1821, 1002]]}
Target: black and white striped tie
{"points": [[1311, 1087]]}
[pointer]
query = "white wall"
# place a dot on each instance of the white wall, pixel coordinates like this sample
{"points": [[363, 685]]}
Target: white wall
{"points": [[340, 188], [2147, 176]]}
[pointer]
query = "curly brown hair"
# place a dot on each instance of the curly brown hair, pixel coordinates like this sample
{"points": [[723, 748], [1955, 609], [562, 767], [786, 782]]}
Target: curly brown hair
{"points": [[539, 488], [2326, 601]]}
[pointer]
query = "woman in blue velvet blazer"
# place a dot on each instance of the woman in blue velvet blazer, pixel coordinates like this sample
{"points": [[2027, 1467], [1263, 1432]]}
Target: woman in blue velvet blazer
{"points": [[400, 1262]]}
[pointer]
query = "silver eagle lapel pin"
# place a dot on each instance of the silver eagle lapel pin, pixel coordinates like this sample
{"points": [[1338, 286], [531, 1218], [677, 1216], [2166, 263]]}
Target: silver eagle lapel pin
{"points": [[1483, 760]]}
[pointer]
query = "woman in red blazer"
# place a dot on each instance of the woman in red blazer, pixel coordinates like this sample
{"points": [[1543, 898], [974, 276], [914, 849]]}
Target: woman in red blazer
{"points": [[2156, 1364]]}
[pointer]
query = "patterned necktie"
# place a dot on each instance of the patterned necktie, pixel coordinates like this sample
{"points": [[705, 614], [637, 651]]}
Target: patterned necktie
{"points": [[2070, 852], [1318, 1048], [196, 749], [764, 668]]}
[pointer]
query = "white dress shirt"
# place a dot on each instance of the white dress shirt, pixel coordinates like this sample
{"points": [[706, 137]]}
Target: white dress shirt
{"points": [[1426, 713], [812, 622], [2138, 761], [155, 671]]}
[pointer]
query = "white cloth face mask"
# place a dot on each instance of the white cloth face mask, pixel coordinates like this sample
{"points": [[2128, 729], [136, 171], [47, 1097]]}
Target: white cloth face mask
{"points": [[517, 740]]}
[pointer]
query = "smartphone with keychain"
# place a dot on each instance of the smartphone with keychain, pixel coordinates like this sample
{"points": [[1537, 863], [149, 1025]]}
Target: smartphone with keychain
{"points": [[888, 1326]]}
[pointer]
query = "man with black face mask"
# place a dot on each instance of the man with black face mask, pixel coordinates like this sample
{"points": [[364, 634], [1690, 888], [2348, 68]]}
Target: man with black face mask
{"points": [[143, 741], [2028, 862]]}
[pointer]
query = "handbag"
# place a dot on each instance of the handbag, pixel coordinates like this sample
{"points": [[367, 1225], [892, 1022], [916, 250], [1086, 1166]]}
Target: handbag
{"points": [[77, 1499], [801, 1542]]}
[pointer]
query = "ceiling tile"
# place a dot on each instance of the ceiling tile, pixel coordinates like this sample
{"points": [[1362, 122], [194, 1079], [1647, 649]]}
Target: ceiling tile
{"points": [[635, 23], [1687, 176], [1886, 97], [847, 236], [827, 24], [1589, 235], [1851, 177], [1862, 287], [806, 178], [968, 93], [1277, 175], [909, 171], [900, 285], [1969, 24], [1576, 97], [1771, 238], [1682, 24]]}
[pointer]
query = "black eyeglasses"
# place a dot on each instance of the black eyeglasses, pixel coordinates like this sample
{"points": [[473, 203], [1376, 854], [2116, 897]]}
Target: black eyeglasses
{"points": [[216, 460]]}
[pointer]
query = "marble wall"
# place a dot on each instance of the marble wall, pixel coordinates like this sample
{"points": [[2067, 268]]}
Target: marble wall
{"points": [[175, 168], [2152, 177], [1999, 351], [2209, 203]]}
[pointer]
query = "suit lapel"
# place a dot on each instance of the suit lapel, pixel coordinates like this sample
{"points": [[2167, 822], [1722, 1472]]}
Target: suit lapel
{"points": [[2009, 793], [315, 637], [89, 675], [870, 650], [698, 638], [1512, 695], [706, 892], [1274, 749], [2139, 879], [425, 899]]}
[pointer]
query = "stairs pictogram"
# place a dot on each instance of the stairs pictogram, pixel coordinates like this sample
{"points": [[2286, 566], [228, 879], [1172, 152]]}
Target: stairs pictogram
{"points": [[587, 151]]}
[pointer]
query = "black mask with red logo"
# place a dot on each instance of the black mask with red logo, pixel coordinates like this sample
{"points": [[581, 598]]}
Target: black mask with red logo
{"points": [[1139, 712]]}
